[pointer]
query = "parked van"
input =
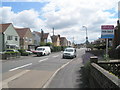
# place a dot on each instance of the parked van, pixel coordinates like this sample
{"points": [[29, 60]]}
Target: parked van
{"points": [[69, 53], [43, 50]]}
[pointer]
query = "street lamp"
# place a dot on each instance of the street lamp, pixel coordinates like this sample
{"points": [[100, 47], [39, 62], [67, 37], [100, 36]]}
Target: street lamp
{"points": [[86, 34]]}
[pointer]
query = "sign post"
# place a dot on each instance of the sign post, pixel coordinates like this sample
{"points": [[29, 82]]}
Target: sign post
{"points": [[107, 32]]}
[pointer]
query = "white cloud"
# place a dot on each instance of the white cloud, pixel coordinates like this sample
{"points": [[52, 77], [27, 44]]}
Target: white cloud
{"points": [[27, 18], [67, 17]]}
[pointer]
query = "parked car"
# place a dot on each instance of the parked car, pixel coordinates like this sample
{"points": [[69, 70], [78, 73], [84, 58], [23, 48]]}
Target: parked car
{"points": [[44, 50], [69, 53], [30, 52], [11, 50]]}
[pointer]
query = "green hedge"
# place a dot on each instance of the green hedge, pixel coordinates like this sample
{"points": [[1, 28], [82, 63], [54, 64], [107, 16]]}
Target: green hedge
{"points": [[23, 53], [58, 48], [9, 55]]}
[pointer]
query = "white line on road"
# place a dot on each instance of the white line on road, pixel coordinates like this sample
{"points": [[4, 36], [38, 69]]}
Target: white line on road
{"points": [[43, 60], [56, 56], [21, 67], [46, 85]]}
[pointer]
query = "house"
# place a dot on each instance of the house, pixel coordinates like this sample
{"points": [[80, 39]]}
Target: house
{"points": [[69, 43], [63, 41], [56, 40], [36, 38], [9, 38], [44, 36], [26, 38]]}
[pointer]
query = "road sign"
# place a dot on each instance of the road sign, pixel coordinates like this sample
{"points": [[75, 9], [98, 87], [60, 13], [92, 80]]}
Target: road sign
{"points": [[107, 31]]}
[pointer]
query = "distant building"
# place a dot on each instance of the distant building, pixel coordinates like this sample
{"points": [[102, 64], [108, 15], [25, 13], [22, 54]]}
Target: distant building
{"points": [[44, 36], [36, 38], [55, 40], [9, 38], [69, 43], [26, 38], [63, 41]]}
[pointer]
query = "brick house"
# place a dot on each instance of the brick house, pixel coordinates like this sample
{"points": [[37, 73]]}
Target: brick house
{"points": [[63, 41], [26, 38]]}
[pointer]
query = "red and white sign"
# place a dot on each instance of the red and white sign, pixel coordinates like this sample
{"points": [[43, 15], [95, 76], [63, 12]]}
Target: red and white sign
{"points": [[107, 31]]}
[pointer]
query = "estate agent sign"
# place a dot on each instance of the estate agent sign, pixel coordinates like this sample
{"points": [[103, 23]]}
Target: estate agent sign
{"points": [[107, 31]]}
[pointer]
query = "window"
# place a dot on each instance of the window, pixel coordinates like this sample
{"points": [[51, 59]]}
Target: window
{"points": [[30, 40], [16, 38], [9, 37]]}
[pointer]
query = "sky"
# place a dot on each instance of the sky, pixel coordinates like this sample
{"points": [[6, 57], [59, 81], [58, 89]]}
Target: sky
{"points": [[66, 16]]}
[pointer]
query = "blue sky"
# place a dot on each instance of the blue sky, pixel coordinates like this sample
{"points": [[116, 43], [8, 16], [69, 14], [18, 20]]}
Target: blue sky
{"points": [[20, 6]]}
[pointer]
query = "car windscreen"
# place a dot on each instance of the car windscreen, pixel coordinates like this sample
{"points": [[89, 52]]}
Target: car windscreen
{"points": [[69, 50], [40, 49]]}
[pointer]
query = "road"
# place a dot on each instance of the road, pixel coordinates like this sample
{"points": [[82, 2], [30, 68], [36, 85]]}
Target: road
{"points": [[42, 72]]}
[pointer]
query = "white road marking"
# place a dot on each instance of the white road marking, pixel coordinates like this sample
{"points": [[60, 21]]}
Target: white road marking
{"points": [[46, 85], [56, 56], [43, 60], [5, 82], [21, 67]]}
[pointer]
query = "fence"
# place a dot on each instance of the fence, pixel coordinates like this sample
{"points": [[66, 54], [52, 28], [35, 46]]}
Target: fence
{"points": [[104, 74]]}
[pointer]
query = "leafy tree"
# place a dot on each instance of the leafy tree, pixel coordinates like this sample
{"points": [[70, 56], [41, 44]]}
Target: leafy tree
{"points": [[42, 44]]}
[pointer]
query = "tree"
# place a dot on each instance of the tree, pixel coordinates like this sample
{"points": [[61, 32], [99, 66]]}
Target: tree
{"points": [[42, 44]]}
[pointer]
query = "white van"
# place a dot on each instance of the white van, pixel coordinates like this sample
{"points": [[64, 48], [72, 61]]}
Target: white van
{"points": [[43, 50]]}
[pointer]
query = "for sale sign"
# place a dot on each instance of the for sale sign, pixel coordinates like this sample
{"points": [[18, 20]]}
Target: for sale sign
{"points": [[107, 31]]}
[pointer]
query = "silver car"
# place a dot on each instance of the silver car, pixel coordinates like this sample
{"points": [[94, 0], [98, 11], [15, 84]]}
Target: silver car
{"points": [[69, 53]]}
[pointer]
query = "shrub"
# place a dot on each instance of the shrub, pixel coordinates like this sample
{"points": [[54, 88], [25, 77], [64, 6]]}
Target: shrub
{"points": [[24, 53]]}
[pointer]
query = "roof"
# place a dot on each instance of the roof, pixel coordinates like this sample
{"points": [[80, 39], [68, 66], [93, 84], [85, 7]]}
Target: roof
{"points": [[38, 33], [3, 27], [62, 39], [21, 31], [45, 35]]}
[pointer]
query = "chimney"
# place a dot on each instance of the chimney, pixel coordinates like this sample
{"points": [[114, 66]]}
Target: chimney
{"points": [[42, 34], [53, 31]]}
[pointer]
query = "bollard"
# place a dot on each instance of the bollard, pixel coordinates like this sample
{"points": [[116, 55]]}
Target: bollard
{"points": [[93, 59]]}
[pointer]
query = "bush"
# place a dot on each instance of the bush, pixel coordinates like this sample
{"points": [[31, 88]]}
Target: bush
{"points": [[115, 54], [23, 52], [58, 48]]}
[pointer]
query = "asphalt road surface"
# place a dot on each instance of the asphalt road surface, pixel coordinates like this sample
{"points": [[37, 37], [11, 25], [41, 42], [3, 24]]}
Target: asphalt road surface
{"points": [[42, 72]]}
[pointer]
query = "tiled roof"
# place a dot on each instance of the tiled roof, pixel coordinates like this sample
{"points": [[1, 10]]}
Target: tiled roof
{"points": [[62, 38], [38, 33], [45, 35], [21, 31], [3, 27]]}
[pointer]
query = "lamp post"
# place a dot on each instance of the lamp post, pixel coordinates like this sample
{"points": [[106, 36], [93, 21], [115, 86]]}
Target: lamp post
{"points": [[86, 35]]}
